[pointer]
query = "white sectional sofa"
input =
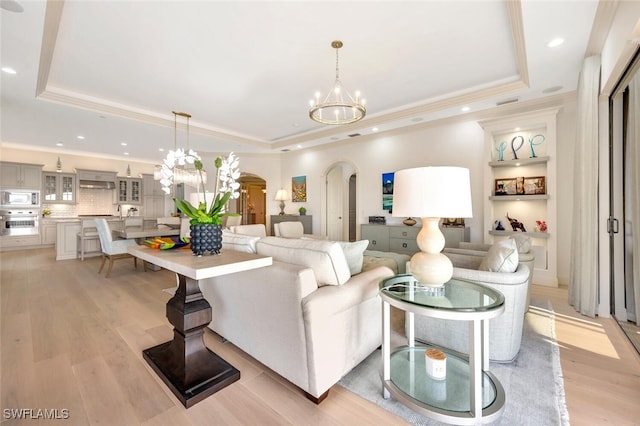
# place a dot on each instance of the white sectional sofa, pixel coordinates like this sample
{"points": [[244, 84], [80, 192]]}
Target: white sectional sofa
{"points": [[308, 317]]}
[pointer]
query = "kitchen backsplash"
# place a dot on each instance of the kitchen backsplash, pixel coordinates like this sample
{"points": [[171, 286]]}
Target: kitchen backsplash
{"points": [[89, 201]]}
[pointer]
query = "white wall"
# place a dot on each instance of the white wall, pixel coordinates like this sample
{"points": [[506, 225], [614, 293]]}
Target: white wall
{"points": [[457, 143]]}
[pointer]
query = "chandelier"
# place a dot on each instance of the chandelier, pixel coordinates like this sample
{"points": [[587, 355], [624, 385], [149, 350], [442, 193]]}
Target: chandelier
{"points": [[178, 166], [338, 107]]}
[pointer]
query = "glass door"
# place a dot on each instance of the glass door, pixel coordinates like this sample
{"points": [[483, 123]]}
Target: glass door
{"points": [[624, 224]]}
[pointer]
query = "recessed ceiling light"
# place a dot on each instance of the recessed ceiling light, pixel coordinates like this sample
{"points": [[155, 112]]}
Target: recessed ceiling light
{"points": [[375, 129], [59, 144], [123, 143], [555, 42], [8, 70], [125, 153], [298, 146], [161, 149], [465, 109], [80, 137], [517, 129]]}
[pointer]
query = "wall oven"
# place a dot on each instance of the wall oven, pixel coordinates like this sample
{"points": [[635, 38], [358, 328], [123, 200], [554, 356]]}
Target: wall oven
{"points": [[19, 222], [12, 198]]}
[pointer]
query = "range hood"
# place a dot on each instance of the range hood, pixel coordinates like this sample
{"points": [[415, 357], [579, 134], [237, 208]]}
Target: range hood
{"points": [[97, 184]]}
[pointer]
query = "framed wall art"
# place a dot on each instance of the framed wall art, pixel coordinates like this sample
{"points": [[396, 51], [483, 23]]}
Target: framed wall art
{"points": [[387, 191], [299, 189], [506, 186], [535, 185]]}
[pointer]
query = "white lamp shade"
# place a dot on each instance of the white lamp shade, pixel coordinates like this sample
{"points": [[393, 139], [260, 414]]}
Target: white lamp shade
{"points": [[432, 192], [282, 195]]}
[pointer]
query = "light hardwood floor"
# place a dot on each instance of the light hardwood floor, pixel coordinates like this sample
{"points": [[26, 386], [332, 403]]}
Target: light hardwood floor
{"points": [[73, 340]]}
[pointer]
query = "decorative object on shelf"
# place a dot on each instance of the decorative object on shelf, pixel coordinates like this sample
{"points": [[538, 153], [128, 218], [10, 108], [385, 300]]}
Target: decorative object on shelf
{"points": [[535, 185], [498, 225], [387, 191], [338, 107], [299, 189], [520, 185], [513, 145], [211, 210], [432, 193], [500, 148], [532, 143], [436, 364], [59, 166], [516, 225], [302, 211], [453, 222], [506, 186], [46, 212], [380, 220], [409, 221], [541, 225], [176, 167], [281, 196]]}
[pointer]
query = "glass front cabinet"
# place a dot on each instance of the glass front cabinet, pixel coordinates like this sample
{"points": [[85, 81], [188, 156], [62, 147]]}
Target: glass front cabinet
{"points": [[59, 188], [130, 191]]}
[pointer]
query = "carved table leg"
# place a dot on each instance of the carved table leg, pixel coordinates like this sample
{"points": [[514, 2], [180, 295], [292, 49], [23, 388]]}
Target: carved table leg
{"points": [[185, 364]]}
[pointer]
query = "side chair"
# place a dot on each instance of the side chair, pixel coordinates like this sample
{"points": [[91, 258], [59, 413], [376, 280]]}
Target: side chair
{"points": [[113, 249]]}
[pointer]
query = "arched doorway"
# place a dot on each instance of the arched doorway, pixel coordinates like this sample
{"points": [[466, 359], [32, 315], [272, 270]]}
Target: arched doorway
{"points": [[341, 201], [252, 203]]}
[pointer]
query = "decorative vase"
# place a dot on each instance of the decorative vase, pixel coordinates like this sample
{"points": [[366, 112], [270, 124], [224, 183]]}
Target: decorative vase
{"points": [[409, 221], [206, 237]]}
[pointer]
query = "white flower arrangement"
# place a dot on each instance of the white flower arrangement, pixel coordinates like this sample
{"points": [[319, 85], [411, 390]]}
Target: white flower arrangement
{"points": [[227, 186]]}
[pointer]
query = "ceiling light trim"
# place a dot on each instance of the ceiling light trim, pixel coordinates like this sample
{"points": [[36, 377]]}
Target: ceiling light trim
{"points": [[514, 10]]}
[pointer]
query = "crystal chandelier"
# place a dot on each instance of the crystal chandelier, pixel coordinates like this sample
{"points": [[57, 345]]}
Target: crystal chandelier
{"points": [[178, 165], [338, 107]]}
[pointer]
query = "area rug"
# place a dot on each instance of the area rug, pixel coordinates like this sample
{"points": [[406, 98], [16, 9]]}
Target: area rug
{"points": [[533, 383]]}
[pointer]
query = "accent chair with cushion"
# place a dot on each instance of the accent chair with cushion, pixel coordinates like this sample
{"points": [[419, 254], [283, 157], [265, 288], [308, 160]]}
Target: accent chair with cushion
{"points": [[293, 229], [502, 272], [526, 256], [113, 249]]}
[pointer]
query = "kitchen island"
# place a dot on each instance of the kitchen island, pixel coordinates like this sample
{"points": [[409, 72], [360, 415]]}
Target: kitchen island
{"points": [[67, 236]]}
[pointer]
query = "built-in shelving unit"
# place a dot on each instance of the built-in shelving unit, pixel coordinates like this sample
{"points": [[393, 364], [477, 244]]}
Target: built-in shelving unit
{"points": [[514, 149]]}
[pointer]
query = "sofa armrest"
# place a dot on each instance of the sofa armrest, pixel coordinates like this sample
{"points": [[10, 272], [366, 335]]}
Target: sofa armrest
{"points": [[521, 275], [468, 252], [333, 299]]}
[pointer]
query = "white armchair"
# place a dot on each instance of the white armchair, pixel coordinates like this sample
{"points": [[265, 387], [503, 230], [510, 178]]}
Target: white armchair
{"points": [[505, 331], [113, 250]]}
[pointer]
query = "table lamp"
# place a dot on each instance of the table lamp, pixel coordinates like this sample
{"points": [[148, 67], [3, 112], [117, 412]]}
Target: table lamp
{"points": [[282, 195], [432, 193]]}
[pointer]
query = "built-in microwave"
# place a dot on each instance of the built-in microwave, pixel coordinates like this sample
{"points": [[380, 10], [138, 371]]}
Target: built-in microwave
{"points": [[19, 198]]}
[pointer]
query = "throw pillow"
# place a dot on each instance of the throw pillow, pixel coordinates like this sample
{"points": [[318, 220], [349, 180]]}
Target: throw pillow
{"points": [[239, 242], [501, 257], [354, 253], [522, 242], [326, 258]]}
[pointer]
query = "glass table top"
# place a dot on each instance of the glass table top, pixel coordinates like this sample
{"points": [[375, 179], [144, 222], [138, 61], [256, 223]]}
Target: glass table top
{"points": [[459, 295]]}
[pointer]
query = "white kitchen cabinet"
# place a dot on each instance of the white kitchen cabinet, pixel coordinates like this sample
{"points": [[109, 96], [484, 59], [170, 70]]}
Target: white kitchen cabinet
{"points": [[19, 242], [521, 184], [58, 188], [153, 197], [48, 233], [19, 175], [129, 190]]}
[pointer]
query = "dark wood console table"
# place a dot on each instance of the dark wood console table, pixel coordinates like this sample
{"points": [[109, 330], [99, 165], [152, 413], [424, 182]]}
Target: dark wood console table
{"points": [[190, 369]]}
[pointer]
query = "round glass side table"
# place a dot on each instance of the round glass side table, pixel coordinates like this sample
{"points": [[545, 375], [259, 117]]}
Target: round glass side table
{"points": [[469, 393]]}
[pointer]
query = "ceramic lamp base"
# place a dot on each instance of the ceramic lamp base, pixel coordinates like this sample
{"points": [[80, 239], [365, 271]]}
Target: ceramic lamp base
{"points": [[429, 266]]}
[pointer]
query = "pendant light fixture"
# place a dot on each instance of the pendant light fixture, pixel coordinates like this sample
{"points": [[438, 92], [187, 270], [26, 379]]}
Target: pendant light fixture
{"points": [[59, 166], [338, 107]]}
